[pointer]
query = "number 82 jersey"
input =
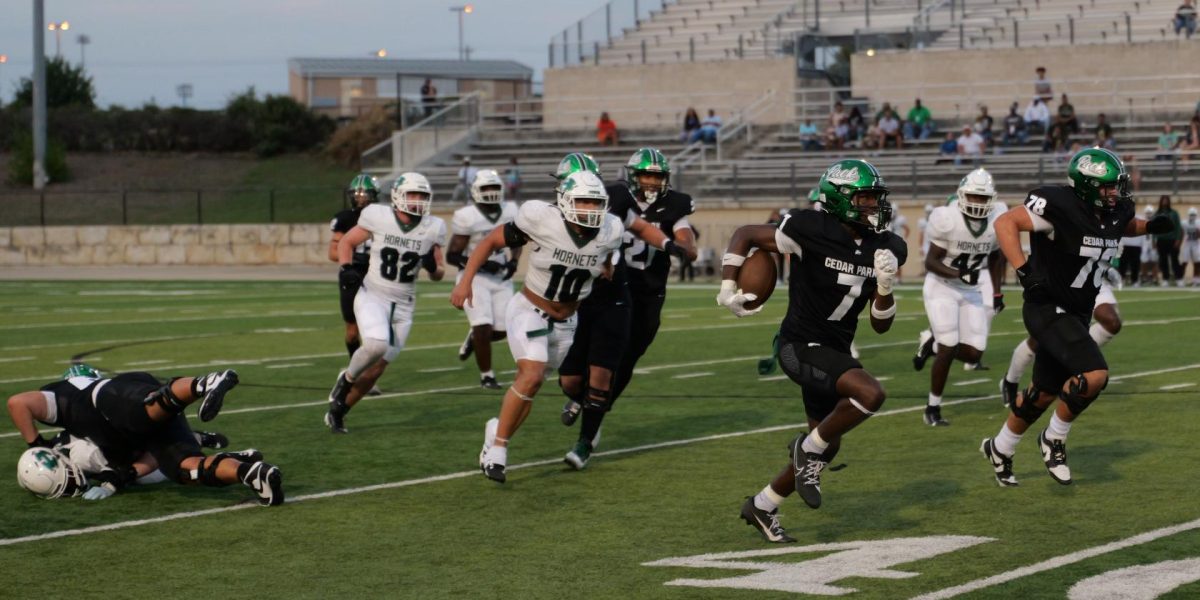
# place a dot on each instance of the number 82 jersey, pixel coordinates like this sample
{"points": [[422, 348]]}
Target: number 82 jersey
{"points": [[562, 264], [396, 250]]}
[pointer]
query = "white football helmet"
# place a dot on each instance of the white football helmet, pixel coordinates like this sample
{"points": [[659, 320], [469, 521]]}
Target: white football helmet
{"points": [[1148, 211], [487, 188], [928, 209], [976, 183], [578, 186], [48, 474], [1193, 213], [412, 194]]}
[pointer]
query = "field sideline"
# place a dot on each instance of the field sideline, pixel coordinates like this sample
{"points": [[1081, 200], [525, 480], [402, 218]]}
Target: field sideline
{"points": [[397, 507]]}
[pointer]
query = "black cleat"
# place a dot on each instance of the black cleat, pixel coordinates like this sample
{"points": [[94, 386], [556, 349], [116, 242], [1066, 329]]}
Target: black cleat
{"points": [[1054, 454], [467, 348], [1001, 464], [211, 439], [767, 523], [212, 389], [579, 455], [808, 467], [924, 349], [1008, 391], [249, 455], [933, 417], [570, 412], [335, 418], [267, 481], [489, 383], [341, 389], [494, 471]]}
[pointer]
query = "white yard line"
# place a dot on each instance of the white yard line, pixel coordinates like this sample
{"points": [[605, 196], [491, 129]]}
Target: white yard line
{"points": [[972, 381], [693, 375], [143, 363], [1176, 386], [17, 358], [289, 365], [440, 369]]}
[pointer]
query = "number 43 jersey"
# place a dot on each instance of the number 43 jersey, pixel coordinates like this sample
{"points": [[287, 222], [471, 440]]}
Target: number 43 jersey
{"points": [[563, 264], [968, 243], [396, 249], [1072, 246]]}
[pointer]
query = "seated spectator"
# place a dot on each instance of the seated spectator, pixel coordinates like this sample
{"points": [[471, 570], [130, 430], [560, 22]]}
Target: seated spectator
{"points": [[1058, 138], [606, 130], [970, 145], [1037, 116], [1015, 130], [1185, 19], [919, 123], [856, 124], [887, 107], [889, 129], [983, 124], [1066, 114], [948, 151], [708, 128], [838, 115], [1103, 133], [691, 122], [1168, 143], [809, 137], [835, 136], [1041, 86], [512, 179]]}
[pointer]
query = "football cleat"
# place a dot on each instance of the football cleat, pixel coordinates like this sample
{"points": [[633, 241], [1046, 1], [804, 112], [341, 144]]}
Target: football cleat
{"points": [[375, 391], [494, 471], [341, 389], [467, 348], [767, 523], [211, 439], [489, 383], [249, 455], [335, 420], [1008, 391], [977, 366], [924, 349], [570, 412], [1001, 463], [212, 388], [579, 455], [1054, 454], [267, 481], [808, 467], [933, 417]]}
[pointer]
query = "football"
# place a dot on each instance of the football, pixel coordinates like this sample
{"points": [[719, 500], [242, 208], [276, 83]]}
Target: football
{"points": [[757, 276]]}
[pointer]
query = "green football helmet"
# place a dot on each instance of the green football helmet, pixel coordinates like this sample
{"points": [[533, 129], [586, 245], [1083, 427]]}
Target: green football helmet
{"points": [[647, 160], [1096, 168], [576, 162], [80, 370], [843, 181], [362, 184]]}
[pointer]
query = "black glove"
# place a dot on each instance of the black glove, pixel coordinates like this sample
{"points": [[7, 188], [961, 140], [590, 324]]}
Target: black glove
{"points": [[491, 267], [428, 262], [349, 278], [1160, 224], [1034, 284], [510, 269], [40, 442], [998, 303], [675, 249], [118, 478]]}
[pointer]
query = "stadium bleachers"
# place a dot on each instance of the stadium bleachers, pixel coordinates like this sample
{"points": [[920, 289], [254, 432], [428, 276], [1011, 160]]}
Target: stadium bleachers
{"points": [[1050, 23]]}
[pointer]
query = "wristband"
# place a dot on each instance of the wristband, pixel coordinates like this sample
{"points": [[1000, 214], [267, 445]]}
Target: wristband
{"points": [[884, 314], [732, 260]]}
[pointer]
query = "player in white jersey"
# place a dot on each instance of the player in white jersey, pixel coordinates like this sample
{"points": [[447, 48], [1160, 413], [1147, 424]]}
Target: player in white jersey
{"points": [[573, 244], [493, 288], [960, 297], [1190, 251], [404, 238], [922, 226]]}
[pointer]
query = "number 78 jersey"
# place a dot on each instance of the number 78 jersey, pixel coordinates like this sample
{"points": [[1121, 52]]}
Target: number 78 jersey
{"points": [[563, 265], [1072, 246], [968, 243], [396, 250]]}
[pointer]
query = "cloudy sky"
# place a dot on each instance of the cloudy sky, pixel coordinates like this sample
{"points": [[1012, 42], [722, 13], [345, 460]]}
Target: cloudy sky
{"points": [[141, 50]]}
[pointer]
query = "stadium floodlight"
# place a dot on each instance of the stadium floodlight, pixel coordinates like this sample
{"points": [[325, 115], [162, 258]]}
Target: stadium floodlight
{"points": [[58, 27], [465, 9]]}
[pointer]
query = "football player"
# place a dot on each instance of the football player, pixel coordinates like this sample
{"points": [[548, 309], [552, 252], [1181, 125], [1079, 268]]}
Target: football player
{"points": [[573, 243], [494, 288], [362, 192], [404, 239], [843, 258], [137, 422], [619, 320], [1190, 251], [1075, 230], [960, 297]]}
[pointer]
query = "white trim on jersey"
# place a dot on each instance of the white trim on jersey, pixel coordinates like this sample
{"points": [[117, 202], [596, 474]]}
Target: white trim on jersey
{"points": [[1040, 224], [785, 243], [682, 223]]}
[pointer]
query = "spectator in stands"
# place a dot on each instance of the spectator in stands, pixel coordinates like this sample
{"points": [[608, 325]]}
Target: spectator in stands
{"points": [[889, 129], [1041, 86], [1190, 143], [1135, 172], [983, 124], [1037, 116], [948, 151], [919, 123], [1168, 245], [1058, 138], [1185, 19], [970, 145], [887, 107], [606, 131], [1103, 133], [839, 129], [512, 179], [810, 138], [856, 125], [429, 97], [1066, 114], [1015, 130], [462, 186], [708, 128], [838, 115], [691, 122], [1168, 143]]}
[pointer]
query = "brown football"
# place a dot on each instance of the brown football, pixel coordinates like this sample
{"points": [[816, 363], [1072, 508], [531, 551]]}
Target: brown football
{"points": [[757, 276]]}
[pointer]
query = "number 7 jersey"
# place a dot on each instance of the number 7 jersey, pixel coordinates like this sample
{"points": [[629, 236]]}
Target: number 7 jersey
{"points": [[1072, 246], [396, 249], [562, 265]]}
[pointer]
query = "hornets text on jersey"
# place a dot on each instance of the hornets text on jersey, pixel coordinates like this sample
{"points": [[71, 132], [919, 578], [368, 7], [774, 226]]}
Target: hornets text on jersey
{"points": [[396, 249], [563, 264]]}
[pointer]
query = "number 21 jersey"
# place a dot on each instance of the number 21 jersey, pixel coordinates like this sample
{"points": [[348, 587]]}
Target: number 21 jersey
{"points": [[562, 264], [396, 249]]}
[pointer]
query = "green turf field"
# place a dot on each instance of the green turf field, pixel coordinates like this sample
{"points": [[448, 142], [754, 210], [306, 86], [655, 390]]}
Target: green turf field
{"points": [[398, 507]]}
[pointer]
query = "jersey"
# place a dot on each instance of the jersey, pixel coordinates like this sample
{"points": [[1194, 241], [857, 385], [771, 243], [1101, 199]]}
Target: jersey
{"points": [[647, 267], [472, 222], [396, 250], [75, 412], [343, 222], [968, 242], [622, 207], [563, 265], [1071, 246], [1191, 231], [832, 276]]}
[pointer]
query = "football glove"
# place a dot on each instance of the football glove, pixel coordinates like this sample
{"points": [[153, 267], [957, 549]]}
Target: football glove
{"points": [[997, 303], [670, 247], [491, 267], [1034, 284], [1160, 224], [732, 298], [99, 492], [1114, 278], [510, 269], [40, 442], [349, 278], [429, 262], [885, 271]]}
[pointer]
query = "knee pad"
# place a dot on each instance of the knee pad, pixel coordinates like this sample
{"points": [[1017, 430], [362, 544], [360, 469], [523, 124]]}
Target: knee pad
{"points": [[1074, 396], [598, 399], [166, 399], [1028, 410], [206, 473]]}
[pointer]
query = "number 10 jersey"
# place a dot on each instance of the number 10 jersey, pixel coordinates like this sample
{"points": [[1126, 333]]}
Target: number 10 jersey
{"points": [[396, 249], [562, 264]]}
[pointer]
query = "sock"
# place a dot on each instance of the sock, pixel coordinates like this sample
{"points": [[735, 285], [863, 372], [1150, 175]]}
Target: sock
{"points": [[767, 499], [1022, 357], [497, 455], [488, 373], [1100, 334], [592, 419], [1006, 441], [1058, 428], [814, 443], [351, 347], [934, 399], [242, 470]]}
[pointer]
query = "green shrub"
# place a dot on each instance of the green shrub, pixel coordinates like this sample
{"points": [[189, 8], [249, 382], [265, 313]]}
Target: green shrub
{"points": [[20, 164]]}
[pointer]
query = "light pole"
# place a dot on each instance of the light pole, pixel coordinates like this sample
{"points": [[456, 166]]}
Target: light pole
{"points": [[3, 59], [184, 90], [380, 53], [58, 28], [465, 9], [83, 40]]}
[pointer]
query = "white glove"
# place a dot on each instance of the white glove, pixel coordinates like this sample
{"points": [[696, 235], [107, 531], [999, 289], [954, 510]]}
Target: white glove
{"points": [[732, 298], [99, 492], [1114, 278], [885, 271]]}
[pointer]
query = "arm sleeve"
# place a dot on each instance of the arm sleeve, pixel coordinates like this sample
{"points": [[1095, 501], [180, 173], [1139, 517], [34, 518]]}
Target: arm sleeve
{"points": [[513, 236], [682, 223], [796, 226], [1038, 206]]}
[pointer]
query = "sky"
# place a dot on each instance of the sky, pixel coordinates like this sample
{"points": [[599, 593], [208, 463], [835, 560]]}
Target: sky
{"points": [[142, 50]]}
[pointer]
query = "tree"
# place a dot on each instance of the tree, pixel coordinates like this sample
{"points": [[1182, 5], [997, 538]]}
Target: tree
{"points": [[66, 85]]}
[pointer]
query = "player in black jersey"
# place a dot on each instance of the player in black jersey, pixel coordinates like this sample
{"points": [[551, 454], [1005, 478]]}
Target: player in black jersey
{"points": [[361, 193], [844, 257], [1074, 231], [137, 422], [615, 314]]}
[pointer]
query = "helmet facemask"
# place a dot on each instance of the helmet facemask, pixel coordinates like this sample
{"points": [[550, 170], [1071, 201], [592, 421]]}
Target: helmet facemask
{"points": [[487, 187], [871, 209], [412, 195], [649, 193], [583, 186]]}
